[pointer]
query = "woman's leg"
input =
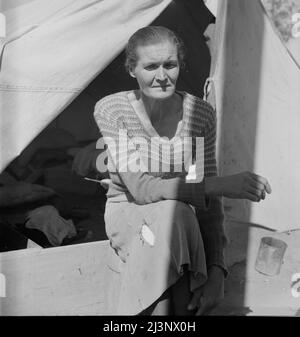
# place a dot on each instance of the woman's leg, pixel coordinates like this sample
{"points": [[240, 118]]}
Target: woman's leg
{"points": [[174, 301], [181, 296], [162, 307], [152, 268]]}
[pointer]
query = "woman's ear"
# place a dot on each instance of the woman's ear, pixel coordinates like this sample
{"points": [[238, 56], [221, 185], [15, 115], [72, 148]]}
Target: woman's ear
{"points": [[131, 73]]}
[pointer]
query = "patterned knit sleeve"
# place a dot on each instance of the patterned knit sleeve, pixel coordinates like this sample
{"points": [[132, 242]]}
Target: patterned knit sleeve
{"points": [[143, 187], [211, 221]]}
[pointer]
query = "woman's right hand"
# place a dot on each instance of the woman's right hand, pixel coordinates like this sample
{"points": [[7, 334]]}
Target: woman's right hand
{"points": [[245, 185]]}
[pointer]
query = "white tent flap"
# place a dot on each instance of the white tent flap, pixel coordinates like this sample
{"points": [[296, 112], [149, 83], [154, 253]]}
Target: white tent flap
{"points": [[52, 51], [257, 87]]}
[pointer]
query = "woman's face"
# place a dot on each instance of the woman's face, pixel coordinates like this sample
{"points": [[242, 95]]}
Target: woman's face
{"points": [[157, 69]]}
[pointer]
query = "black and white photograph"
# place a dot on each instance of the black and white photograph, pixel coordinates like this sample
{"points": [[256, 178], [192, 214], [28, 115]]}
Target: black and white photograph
{"points": [[149, 161]]}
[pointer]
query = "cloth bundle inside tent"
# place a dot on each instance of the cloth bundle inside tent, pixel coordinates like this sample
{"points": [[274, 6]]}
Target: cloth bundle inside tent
{"points": [[257, 85]]}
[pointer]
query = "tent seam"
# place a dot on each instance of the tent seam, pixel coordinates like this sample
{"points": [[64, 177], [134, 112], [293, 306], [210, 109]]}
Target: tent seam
{"points": [[38, 89]]}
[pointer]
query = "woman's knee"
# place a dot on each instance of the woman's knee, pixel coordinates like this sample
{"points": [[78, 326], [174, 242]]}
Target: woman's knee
{"points": [[176, 207], [179, 213]]}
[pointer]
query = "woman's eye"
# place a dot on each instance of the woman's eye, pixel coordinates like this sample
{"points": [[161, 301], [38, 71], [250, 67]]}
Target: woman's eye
{"points": [[170, 65], [151, 67]]}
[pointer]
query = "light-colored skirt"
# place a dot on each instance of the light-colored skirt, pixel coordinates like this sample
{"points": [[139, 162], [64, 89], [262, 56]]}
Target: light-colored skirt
{"points": [[152, 243]]}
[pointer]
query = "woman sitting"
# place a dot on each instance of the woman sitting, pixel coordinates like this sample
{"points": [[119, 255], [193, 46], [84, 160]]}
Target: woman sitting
{"points": [[164, 215]]}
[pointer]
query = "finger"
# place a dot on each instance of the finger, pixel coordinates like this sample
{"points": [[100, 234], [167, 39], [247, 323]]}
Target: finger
{"points": [[206, 310], [193, 304], [201, 309], [251, 197], [260, 194], [255, 191], [256, 184], [105, 183], [263, 181], [205, 307], [196, 298], [268, 188]]}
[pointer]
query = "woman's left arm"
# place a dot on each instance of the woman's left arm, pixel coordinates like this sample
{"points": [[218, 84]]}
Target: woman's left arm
{"points": [[211, 220], [211, 224]]}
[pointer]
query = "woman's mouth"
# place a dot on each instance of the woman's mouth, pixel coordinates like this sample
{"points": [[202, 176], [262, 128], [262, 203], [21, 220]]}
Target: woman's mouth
{"points": [[161, 86]]}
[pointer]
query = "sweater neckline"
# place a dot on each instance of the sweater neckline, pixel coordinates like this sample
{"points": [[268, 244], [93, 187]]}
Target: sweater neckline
{"points": [[145, 120]]}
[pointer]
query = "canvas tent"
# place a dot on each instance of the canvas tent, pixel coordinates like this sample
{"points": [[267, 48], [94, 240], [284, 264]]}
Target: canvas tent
{"points": [[53, 51], [43, 69], [257, 84], [50, 62], [50, 57]]}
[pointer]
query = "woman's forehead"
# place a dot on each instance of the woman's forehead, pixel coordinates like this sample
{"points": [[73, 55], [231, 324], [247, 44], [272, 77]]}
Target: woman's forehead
{"points": [[157, 51]]}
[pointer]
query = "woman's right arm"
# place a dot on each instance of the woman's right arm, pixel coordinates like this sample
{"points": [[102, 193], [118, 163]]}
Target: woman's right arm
{"points": [[143, 187], [146, 188]]}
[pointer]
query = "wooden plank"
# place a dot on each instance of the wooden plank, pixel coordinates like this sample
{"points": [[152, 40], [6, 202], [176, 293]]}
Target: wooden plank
{"points": [[32, 244], [68, 280]]}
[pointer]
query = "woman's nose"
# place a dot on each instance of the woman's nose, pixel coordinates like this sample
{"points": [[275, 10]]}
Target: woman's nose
{"points": [[160, 74]]}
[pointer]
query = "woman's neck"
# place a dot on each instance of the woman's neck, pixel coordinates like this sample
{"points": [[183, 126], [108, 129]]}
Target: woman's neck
{"points": [[156, 108]]}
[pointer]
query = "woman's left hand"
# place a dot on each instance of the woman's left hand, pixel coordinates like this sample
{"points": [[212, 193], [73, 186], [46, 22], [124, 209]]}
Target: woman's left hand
{"points": [[210, 294]]}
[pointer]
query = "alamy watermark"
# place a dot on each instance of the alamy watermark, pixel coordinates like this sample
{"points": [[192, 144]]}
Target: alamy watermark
{"points": [[137, 154]]}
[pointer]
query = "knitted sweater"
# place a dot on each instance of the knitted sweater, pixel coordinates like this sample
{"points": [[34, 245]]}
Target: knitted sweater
{"points": [[133, 157]]}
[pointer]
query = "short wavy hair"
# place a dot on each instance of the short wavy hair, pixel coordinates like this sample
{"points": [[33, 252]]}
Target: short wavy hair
{"points": [[151, 35]]}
